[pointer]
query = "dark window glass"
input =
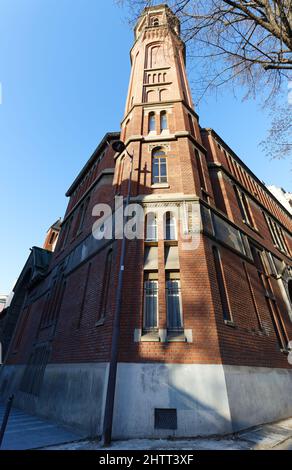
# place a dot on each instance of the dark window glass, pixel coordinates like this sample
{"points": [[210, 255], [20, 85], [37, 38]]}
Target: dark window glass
{"points": [[173, 303], [221, 285], [150, 303]]}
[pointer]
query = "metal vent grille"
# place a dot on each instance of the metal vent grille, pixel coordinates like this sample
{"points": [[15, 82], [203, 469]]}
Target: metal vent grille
{"points": [[165, 418]]}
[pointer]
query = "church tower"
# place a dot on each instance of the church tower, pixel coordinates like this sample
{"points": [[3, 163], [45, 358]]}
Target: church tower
{"points": [[160, 126]]}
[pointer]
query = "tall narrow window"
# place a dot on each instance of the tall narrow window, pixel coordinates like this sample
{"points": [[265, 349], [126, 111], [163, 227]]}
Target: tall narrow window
{"points": [[81, 218], [243, 206], [170, 226], [151, 122], [191, 125], [173, 301], [52, 238], [275, 315], [278, 324], [84, 296], [150, 320], [221, 285], [200, 170], [151, 227], [159, 169], [163, 121], [252, 295], [58, 300], [67, 232], [105, 287], [277, 234]]}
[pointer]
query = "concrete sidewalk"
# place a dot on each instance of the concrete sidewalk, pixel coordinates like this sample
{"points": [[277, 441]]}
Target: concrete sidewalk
{"points": [[270, 436], [25, 431]]}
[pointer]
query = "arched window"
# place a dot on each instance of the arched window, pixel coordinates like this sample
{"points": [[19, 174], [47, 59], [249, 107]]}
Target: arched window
{"points": [[163, 94], [163, 121], [155, 22], [170, 227], [105, 286], [151, 122], [151, 227], [159, 168]]}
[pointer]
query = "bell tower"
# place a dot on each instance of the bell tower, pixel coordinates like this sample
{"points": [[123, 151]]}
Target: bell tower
{"points": [[159, 119]]}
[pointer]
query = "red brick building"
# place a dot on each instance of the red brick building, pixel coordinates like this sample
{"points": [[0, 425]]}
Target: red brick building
{"points": [[204, 331]]}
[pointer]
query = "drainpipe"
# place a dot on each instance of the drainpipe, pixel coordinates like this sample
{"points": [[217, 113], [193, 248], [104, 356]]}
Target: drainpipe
{"points": [[111, 386]]}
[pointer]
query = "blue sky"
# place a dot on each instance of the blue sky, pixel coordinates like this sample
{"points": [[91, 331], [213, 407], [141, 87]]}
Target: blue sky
{"points": [[64, 70]]}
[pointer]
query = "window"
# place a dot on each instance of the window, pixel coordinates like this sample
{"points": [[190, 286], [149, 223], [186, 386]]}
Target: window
{"points": [[151, 122], [151, 227], [221, 285], [57, 301], [52, 238], [243, 206], [170, 226], [154, 22], [159, 169], [252, 295], [67, 231], [278, 324], [191, 125], [84, 296], [82, 213], [200, 170], [227, 234], [173, 301], [150, 300], [105, 286], [277, 234], [163, 121]]}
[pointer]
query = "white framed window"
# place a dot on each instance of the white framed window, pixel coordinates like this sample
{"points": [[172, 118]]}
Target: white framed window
{"points": [[159, 167], [150, 314], [170, 227], [151, 227], [173, 302], [151, 122], [163, 121]]}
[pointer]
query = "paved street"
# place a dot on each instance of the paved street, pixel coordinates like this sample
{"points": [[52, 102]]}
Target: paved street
{"points": [[273, 436], [29, 432], [287, 445]]}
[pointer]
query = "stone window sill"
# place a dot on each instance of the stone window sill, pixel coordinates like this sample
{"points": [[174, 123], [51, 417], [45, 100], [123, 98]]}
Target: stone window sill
{"points": [[159, 185], [150, 336], [163, 336], [229, 323], [250, 226]]}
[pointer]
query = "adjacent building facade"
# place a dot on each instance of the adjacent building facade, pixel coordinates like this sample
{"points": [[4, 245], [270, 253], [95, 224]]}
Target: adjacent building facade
{"points": [[283, 197], [205, 329]]}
